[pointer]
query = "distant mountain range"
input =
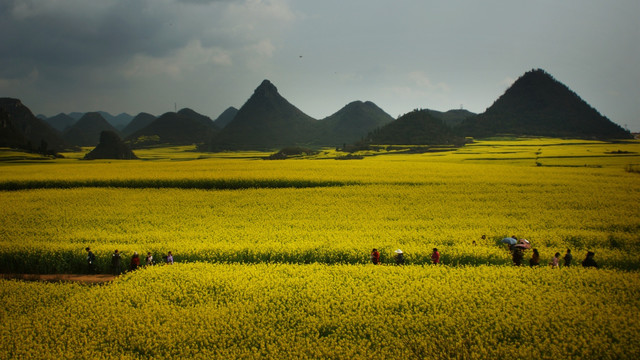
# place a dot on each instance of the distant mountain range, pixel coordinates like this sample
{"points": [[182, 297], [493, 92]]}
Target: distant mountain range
{"points": [[86, 131], [535, 105], [62, 121], [268, 121]]}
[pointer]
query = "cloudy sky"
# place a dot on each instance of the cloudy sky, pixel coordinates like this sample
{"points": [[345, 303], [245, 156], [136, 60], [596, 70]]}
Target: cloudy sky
{"points": [[147, 55]]}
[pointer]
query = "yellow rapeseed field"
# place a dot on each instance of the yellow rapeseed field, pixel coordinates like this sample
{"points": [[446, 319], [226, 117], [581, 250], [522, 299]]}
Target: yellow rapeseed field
{"points": [[227, 209], [278, 311], [272, 257]]}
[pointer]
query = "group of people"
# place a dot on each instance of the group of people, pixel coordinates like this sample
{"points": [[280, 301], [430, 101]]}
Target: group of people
{"points": [[399, 257], [517, 252], [116, 261], [518, 255]]}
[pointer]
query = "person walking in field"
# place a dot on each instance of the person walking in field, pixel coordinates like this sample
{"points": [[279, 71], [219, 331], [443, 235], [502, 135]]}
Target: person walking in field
{"points": [[555, 262], [435, 256], [589, 261], [135, 261], [169, 258], [116, 263], [375, 257], [568, 258], [149, 259], [535, 258], [91, 261], [399, 257], [517, 255]]}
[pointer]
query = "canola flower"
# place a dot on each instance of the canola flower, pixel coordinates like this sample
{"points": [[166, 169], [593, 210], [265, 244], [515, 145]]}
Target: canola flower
{"points": [[279, 311], [259, 221], [46, 230]]}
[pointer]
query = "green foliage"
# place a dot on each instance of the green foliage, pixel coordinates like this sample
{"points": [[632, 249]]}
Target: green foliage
{"points": [[207, 184], [350, 157], [144, 141], [292, 151]]}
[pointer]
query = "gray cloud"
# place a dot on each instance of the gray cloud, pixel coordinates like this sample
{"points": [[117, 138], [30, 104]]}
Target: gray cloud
{"points": [[71, 34], [140, 55]]}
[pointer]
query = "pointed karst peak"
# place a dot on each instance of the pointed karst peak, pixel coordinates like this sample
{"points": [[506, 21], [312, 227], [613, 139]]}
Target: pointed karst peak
{"points": [[535, 76], [266, 88], [359, 104], [356, 103]]}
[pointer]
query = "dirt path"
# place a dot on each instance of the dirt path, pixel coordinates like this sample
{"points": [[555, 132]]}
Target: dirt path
{"points": [[83, 278]]}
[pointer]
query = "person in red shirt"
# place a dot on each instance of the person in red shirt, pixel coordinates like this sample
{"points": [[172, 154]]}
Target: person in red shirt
{"points": [[375, 257], [435, 256], [135, 261]]}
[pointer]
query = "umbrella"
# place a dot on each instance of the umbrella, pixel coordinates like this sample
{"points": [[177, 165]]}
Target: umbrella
{"points": [[523, 246], [510, 241]]}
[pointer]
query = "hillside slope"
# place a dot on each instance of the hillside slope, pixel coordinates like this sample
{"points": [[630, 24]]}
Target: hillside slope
{"points": [[537, 104]]}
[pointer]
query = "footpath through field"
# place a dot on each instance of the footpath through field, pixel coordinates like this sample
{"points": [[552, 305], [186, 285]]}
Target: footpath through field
{"points": [[82, 278]]}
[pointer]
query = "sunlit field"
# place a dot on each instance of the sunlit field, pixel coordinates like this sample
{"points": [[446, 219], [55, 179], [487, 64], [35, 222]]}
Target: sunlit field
{"points": [[244, 209], [316, 311], [273, 256]]}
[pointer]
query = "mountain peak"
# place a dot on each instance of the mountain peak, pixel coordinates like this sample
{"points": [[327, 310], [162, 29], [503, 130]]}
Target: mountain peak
{"points": [[266, 88], [93, 116], [266, 121], [86, 131], [537, 104]]}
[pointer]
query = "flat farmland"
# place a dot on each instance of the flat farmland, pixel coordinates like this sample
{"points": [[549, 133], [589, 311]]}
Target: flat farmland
{"points": [[262, 242]]}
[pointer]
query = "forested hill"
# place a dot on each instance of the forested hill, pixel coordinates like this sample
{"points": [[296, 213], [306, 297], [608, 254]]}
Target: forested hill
{"points": [[537, 104], [418, 127], [178, 128], [266, 120], [351, 123], [19, 128]]}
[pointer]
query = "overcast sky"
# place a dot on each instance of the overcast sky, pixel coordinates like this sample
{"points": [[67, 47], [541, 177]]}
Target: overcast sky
{"points": [[147, 55]]}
